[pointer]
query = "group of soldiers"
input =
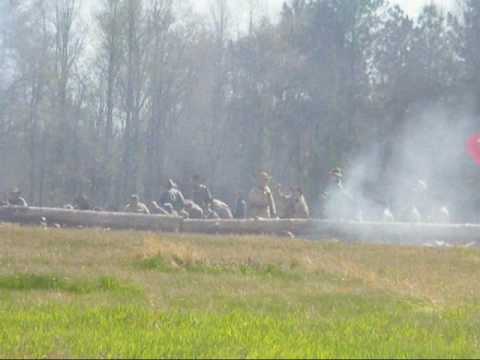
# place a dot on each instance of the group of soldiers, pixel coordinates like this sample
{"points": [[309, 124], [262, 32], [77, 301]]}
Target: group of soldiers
{"points": [[172, 202], [412, 204], [263, 201]]}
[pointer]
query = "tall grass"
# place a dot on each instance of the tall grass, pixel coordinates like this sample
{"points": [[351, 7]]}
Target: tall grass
{"points": [[131, 332], [92, 293]]}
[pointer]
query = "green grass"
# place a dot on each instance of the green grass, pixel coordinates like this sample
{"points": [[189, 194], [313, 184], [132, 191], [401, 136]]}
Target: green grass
{"points": [[176, 265], [102, 294], [354, 330], [30, 282]]}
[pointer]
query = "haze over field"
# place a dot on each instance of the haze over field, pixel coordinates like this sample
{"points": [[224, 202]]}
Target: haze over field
{"points": [[138, 96]]}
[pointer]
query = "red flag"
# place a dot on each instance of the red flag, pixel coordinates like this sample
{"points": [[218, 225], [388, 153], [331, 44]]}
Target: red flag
{"points": [[473, 148]]}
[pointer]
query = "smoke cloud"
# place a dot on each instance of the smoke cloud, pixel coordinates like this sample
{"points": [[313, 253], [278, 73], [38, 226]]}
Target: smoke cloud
{"points": [[425, 176]]}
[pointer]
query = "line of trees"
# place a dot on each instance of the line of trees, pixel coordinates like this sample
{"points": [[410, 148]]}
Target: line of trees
{"points": [[150, 94]]}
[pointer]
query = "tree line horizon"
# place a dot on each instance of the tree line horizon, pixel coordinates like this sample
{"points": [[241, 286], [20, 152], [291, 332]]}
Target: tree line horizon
{"points": [[164, 96]]}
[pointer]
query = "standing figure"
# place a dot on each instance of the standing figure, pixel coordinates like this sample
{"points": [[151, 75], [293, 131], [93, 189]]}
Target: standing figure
{"points": [[338, 202], [15, 198], [135, 206], [260, 199], [297, 207]]}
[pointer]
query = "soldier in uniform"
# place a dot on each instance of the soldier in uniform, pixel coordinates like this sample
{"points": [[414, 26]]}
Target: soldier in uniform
{"points": [[297, 207], [201, 193], [222, 209], [173, 196], [282, 201], [194, 210], [240, 207], [15, 198], [135, 206], [339, 204], [337, 177], [260, 199]]}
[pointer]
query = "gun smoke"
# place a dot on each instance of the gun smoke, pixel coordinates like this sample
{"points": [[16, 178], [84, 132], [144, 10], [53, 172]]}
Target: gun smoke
{"points": [[420, 178]]}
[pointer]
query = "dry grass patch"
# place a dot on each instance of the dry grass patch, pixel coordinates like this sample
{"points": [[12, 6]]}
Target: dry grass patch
{"points": [[220, 263]]}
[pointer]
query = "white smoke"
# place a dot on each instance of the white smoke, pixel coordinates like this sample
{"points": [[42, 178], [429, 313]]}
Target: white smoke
{"points": [[425, 175]]}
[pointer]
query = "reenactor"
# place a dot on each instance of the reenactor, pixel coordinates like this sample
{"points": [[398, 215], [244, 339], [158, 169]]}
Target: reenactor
{"points": [[201, 193], [15, 198], [135, 206], [260, 199], [240, 207], [282, 200], [337, 178], [222, 209], [81, 203], [339, 203], [297, 207], [194, 211], [173, 196]]}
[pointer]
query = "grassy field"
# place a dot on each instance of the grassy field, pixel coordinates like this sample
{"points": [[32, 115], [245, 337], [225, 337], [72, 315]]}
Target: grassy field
{"points": [[92, 293]]}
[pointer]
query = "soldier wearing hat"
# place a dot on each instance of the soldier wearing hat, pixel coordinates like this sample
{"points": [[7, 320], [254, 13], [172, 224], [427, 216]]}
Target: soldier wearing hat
{"points": [[260, 199], [15, 198], [135, 206], [201, 193], [337, 177], [339, 204], [173, 196]]}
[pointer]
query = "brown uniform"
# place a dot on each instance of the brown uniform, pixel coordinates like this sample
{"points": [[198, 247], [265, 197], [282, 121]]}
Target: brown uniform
{"points": [[297, 208], [261, 203]]}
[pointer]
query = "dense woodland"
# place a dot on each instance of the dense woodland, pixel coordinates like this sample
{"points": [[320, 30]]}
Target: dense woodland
{"points": [[142, 92]]}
